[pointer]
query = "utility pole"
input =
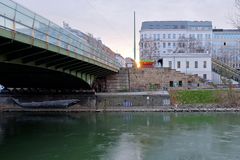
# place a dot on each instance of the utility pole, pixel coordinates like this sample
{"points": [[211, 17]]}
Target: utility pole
{"points": [[135, 37]]}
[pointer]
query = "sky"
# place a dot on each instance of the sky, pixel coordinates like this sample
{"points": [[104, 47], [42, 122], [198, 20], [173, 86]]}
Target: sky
{"points": [[112, 20]]}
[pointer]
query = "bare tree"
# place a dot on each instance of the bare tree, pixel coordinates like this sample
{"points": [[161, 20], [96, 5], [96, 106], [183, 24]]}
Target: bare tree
{"points": [[191, 45], [236, 18], [149, 47]]}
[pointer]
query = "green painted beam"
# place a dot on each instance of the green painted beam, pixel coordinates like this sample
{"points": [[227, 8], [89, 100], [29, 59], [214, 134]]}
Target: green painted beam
{"points": [[71, 64], [13, 51], [25, 54], [84, 68], [36, 57], [46, 59], [18, 53], [86, 77], [6, 43], [101, 73], [77, 66], [58, 61], [96, 73]]}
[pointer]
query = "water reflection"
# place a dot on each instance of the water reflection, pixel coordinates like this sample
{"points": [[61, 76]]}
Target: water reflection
{"points": [[1, 134], [126, 147], [117, 136]]}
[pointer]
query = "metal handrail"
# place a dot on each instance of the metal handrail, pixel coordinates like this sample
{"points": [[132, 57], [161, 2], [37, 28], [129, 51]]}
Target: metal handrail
{"points": [[12, 17]]}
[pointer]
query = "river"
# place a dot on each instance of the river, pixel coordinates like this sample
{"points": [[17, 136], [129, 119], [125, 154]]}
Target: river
{"points": [[119, 136]]}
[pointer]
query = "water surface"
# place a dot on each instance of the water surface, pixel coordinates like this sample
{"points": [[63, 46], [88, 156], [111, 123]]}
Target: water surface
{"points": [[120, 136]]}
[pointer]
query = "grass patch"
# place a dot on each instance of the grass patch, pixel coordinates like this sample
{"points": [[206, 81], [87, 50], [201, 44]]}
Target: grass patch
{"points": [[196, 96]]}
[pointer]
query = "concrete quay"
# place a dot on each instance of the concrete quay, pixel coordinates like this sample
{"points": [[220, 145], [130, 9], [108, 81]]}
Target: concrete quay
{"points": [[133, 99], [158, 101], [119, 109]]}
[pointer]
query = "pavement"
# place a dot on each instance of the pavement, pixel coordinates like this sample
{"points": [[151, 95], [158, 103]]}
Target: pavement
{"points": [[134, 93], [120, 109]]}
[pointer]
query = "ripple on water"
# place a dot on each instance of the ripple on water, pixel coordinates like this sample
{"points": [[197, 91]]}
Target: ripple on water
{"points": [[140, 137], [125, 148]]}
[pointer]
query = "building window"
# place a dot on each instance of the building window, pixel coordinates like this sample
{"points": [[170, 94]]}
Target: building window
{"points": [[196, 64], [205, 64], [206, 36], [145, 45], [164, 45], [170, 64], [169, 36], [171, 84], [154, 37], [164, 36], [155, 45], [174, 36], [174, 44], [178, 64], [204, 76], [187, 64], [180, 83], [198, 36], [169, 44]]}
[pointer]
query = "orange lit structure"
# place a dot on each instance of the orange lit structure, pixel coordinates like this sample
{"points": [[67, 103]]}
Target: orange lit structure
{"points": [[147, 63]]}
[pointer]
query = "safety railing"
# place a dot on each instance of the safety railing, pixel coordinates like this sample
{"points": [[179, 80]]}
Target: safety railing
{"points": [[20, 19], [232, 72]]}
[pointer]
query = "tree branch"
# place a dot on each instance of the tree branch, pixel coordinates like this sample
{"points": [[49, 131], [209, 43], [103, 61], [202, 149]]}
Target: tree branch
{"points": [[236, 19]]}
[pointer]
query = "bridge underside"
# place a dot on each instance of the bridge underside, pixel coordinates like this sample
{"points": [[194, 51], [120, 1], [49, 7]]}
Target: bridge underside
{"points": [[37, 64], [20, 76]]}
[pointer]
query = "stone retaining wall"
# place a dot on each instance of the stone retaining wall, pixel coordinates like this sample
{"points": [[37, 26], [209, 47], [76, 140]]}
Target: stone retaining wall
{"points": [[129, 100], [145, 79]]}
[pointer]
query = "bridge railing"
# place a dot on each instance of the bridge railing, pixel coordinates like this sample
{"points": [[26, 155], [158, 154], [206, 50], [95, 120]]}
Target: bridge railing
{"points": [[20, 19]]}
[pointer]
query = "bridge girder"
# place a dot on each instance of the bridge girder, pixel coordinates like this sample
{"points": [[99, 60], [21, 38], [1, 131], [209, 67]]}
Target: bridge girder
{"points": [[23, 50]]}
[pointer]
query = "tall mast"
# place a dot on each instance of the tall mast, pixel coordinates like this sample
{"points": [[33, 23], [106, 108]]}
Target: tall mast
{"points": [[134, 36]]}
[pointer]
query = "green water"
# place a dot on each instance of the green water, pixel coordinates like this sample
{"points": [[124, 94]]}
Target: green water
{"points": [[120, 136]]}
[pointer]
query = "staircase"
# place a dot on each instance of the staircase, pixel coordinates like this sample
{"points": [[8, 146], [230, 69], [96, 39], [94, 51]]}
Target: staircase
{"points": [[225, 70]]}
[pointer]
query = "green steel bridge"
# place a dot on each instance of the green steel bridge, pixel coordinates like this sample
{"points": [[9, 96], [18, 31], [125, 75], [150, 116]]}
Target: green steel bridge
{"points": [[36, 53]]}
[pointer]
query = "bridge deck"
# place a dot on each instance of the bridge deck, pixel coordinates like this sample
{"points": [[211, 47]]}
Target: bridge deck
{"points": [[29, 40]]}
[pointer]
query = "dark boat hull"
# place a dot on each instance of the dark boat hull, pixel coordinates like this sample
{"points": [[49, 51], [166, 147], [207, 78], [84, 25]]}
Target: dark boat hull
{"points": [[48, 104]]}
